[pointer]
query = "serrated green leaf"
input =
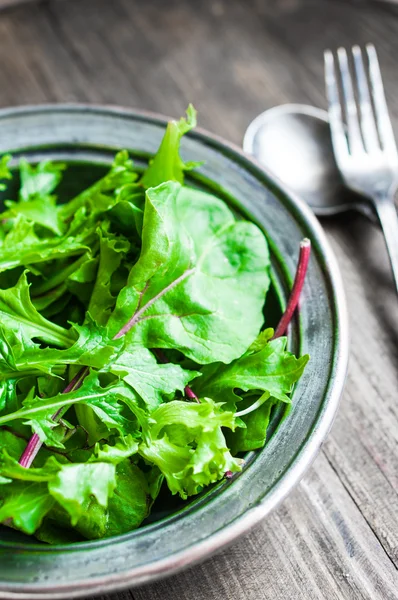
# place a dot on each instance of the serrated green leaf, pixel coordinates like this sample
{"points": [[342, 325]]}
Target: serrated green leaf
{"points": [[271, 369], [39, 180], [151, 380], [22, 247]]}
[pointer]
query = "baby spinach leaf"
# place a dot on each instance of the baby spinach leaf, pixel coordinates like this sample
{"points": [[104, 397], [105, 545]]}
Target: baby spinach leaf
{"points": [[253, 436], [178, 298], [131, 502]]}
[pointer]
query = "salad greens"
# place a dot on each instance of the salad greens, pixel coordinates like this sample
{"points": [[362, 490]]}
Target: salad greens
{"points": [[111, 305]]}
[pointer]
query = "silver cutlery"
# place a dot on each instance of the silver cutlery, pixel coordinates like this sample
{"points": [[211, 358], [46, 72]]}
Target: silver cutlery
{"points": [[362, 135], [293, 142]]}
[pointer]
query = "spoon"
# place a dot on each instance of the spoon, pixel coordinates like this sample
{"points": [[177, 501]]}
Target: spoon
{"points": [[293, 141]]}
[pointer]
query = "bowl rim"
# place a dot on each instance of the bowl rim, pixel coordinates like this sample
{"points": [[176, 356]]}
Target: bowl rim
{"points": [[323, 422]]}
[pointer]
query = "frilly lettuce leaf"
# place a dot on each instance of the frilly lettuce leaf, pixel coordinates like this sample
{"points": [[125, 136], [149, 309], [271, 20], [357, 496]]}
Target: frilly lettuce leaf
{"points": [[185, 441]]}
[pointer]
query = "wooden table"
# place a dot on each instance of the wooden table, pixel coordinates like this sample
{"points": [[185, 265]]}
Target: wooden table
{"points": [[336, 536]]}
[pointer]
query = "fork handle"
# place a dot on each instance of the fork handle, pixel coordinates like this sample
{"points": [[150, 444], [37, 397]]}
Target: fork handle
{"points": [[387, 213]]}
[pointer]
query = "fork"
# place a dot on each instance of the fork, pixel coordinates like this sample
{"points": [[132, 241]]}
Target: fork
{"points": [[362, 135]]}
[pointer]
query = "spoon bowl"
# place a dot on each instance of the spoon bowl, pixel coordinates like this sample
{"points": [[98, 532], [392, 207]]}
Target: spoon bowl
{"points": [[293, 141]]}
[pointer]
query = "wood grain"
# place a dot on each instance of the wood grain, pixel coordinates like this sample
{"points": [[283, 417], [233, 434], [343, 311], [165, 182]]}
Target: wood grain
{"points": [[336, 536]]}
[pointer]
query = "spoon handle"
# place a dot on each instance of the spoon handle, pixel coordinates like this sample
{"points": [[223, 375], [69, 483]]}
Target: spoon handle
{"points": [[387, 213]]}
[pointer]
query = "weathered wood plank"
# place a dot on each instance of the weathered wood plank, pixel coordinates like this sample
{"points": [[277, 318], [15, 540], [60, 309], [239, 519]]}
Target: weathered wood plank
{"points": [[317, 545]]}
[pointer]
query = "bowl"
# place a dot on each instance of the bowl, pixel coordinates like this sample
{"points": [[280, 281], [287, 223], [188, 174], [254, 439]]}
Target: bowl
{"points": [[181, 534]]}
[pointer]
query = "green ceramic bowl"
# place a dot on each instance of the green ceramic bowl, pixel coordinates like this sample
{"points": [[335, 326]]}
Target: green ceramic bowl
{"points": [[179, 535]]}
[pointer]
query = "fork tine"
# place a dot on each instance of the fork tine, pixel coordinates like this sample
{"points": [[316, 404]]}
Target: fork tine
{"points": [[368, 124], [383, 118], [335, 114], [353, 129]]}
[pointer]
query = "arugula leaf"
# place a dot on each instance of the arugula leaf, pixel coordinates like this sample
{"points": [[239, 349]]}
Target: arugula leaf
{"points": [[105, 402], [268, 367], [167, 164], [9, 467], [92, 348], [101, 195], [176, 299], [152, 381]]}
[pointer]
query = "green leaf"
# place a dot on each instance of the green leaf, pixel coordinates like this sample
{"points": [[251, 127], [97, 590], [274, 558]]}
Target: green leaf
{"points": [[254, 435], [130, 504], [92, 348], [151, 380], [9, 467], [101, 195], [5, 172], [74, 485], [270, 369], [112, 251], [105, 402], [127, 507], [25, 505], [188, 294], [167, 164], [41, 210], [123, 448], [20, 358], [187, 444], [17, 313], [22, 247], [127, 214], [61, 272], [39, 180]]}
